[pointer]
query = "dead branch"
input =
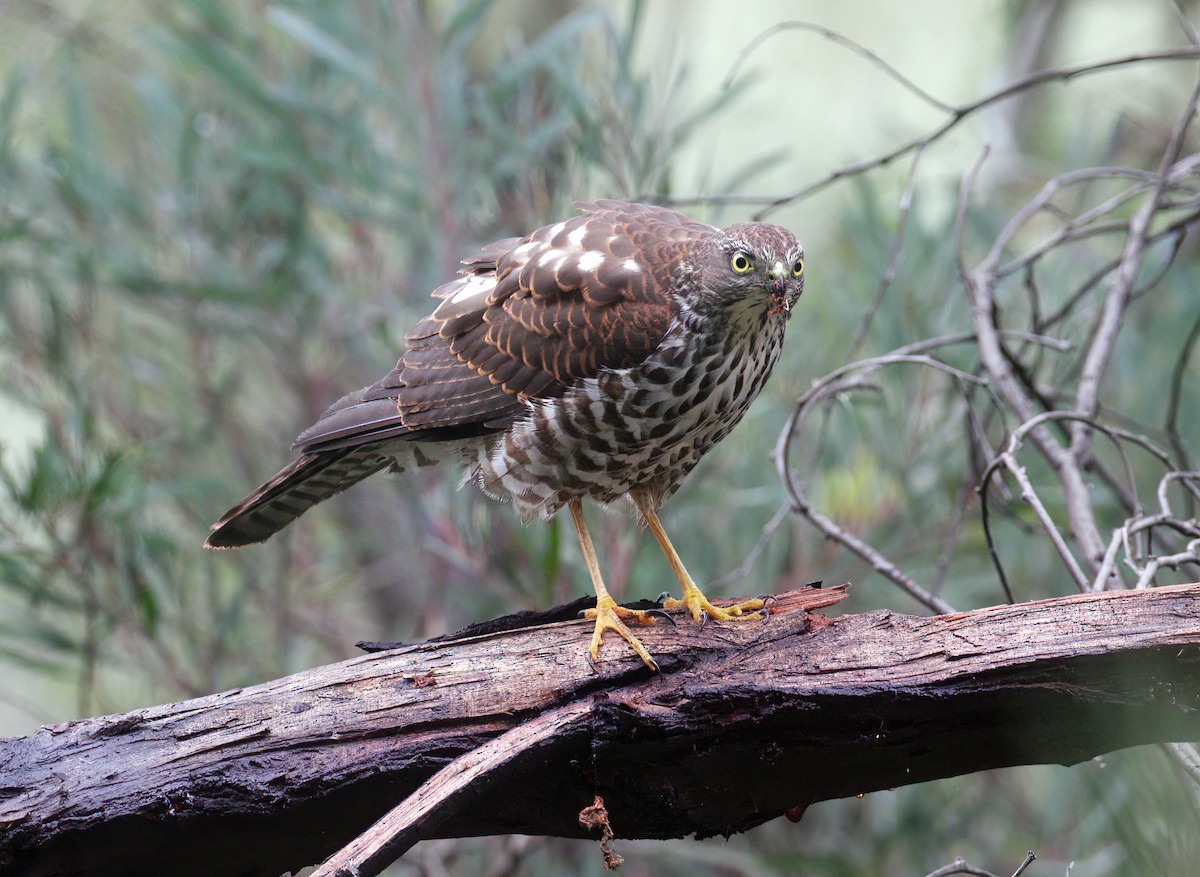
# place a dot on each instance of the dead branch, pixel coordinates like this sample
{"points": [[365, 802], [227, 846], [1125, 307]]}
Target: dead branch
{"points": [[956, 114], [746, 722]]}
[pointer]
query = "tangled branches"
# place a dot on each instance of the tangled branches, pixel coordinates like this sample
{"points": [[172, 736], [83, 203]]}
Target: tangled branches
{"points": [[1170, 207], [1047, 304], [1050, 308]]}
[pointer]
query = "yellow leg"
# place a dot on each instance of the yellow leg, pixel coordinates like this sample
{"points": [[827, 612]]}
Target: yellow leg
{"points": [[607, 613], [694, 601]]}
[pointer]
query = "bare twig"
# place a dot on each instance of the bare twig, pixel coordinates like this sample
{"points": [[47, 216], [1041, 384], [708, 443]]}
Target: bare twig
{"points": [[1173, 232], [444, 793], [841, 40], [888, 277], [863, 549], [1115, 301], [1188, 758], [957, 115], [1029, 859], [836, 382], [1053, 74], [850, 377], [1189, 479], [1137, 556], [1171, 427], [980, 283], [1185, 23], [1008, 459], [960, 866]]}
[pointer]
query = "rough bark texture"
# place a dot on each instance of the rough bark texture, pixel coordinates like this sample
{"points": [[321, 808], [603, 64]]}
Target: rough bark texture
{"points": [[745, 722]]}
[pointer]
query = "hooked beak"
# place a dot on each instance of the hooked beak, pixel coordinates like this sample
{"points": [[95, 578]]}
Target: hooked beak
{"points": [[779, 275]]}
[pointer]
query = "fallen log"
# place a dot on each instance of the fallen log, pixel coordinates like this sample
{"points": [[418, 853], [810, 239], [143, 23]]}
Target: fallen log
{"points": [[745, 722]]}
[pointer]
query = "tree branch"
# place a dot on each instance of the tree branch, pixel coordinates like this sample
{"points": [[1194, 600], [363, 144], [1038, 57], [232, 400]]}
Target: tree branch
{"points": [[746, 722], [957, 114]]}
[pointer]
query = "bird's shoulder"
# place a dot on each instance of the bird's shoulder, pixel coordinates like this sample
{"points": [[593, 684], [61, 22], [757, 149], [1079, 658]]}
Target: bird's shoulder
{"points": [[590, 292], [526, 318]]}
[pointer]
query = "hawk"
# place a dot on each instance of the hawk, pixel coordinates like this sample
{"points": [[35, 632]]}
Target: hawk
{"points": [[597, 358]]}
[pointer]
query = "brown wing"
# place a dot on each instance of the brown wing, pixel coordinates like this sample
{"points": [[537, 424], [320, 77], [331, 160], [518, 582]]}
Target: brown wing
{"points": [[530, 316]]}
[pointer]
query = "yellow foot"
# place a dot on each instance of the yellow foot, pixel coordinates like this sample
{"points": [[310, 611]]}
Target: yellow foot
{"points": [[701, 610], [608, 616]]}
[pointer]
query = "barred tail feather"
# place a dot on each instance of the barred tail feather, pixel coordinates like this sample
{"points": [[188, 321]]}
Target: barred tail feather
{"points": [[310, 479]]}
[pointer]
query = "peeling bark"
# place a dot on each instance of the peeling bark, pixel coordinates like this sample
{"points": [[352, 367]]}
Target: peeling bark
{"points": [[745, 723]]}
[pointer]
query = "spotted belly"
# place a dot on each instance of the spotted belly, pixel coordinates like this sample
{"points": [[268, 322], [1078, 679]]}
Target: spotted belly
{"points": [[637, 429]]}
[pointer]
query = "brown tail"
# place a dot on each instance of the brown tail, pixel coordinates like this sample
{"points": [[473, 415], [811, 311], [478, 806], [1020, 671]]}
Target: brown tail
{"points": [[309, 479]]}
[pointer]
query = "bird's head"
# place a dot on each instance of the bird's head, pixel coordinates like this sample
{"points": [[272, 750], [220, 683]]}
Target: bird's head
{"points": [[755, 267]]}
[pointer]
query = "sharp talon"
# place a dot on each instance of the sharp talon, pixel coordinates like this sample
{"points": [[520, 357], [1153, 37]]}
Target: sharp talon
{"points": [[769, 598], [654, 666], [662, 613], [611, 616], [703, 618], [664, 596], [581, 614]]}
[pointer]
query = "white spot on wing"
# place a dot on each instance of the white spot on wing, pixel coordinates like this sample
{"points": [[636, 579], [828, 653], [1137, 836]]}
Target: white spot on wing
{"points": [[632, 266], [473, 286], [590, 260], [575, 238], [553, 259], [555, 229], [523, 250]]}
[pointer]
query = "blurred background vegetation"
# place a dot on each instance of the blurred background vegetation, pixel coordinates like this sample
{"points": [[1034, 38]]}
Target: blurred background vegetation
{"points": [[218, 217]]}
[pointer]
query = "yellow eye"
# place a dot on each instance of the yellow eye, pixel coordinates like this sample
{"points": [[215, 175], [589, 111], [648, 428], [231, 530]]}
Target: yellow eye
{"points": [[798, 268], [741, 263]]}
